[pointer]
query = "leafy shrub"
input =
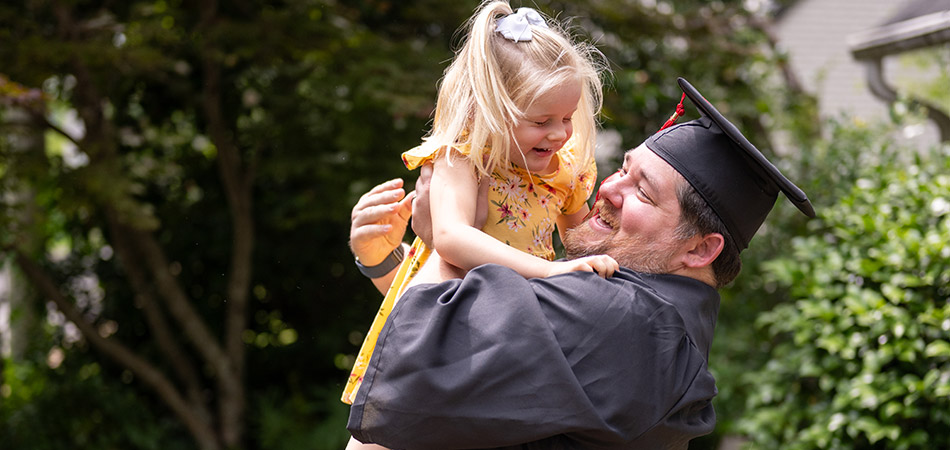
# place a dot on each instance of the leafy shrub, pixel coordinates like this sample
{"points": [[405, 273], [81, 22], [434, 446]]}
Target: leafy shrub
{"points": [[861, 357], [76, 406], [314, 419]]}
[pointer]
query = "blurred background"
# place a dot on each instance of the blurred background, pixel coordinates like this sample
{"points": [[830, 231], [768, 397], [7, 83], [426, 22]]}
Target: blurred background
{"points": [[177, 179]]}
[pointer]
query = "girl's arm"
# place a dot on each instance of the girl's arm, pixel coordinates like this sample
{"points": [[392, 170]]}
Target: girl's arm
{"points": [[453, 198]]}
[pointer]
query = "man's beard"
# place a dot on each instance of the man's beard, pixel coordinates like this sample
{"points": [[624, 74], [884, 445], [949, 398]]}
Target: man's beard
{"points": [[635, 252]]}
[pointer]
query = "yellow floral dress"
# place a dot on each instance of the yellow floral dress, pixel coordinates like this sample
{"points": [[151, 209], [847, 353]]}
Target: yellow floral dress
{"points": [[522, 212]]}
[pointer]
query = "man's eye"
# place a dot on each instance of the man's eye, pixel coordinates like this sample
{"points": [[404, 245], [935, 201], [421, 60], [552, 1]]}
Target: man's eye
{"points": [[644, 195]]}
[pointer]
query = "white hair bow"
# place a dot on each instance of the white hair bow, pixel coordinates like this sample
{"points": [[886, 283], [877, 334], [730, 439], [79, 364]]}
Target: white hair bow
{"points": [[517, 26]]}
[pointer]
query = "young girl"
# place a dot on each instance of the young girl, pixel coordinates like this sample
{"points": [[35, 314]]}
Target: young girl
{"points": [[516, 109]]}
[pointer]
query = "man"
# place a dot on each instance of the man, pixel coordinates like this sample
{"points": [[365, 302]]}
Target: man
{"points": [[494, 360]]}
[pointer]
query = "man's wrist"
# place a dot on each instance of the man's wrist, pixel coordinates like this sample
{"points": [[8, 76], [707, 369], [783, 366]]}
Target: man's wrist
{"points": [[387, 265]]}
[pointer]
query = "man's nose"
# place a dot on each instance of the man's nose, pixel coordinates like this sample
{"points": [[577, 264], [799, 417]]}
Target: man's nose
{"points": [[609, 190]]}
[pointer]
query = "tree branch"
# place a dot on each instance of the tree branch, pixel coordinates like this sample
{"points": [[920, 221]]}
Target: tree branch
{"points": [[168, 345], [99, 137], [52, 126], [88, 102], [238, 191], [766, 27], [101, 147], [200, 428], [176, 300]]}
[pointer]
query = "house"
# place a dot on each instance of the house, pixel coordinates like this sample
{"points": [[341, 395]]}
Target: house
{"points": [[831, 43]]}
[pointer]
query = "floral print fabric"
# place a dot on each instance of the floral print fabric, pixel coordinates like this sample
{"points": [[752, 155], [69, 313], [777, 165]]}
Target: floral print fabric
{"points": [[523, 207]]}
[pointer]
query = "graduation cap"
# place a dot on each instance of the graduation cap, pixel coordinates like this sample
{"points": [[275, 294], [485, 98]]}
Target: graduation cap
{"points": [[734, 178]]}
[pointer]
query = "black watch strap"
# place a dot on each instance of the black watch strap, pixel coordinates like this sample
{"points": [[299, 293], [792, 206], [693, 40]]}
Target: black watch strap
{"points": [[384, 267]]}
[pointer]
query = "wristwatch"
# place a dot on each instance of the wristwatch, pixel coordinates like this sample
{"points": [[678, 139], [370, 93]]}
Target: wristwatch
{"points": [[384, 267]]}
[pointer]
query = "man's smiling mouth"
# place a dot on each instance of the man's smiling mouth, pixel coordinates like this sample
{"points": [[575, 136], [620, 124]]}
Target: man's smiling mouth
{"points": [[603, 217]]}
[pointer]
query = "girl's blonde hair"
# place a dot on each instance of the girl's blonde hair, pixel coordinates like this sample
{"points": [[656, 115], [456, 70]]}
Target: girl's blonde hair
{"points": [[493, 81]]}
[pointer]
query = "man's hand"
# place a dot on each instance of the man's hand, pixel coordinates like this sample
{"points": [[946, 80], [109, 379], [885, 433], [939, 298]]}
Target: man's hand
{"points": [[378, 222], [421, 217]]}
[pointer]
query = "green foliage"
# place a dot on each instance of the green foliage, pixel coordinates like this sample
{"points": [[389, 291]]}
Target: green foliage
{"points": [[315, 421], [318, 96], [935, 62], [860, 358], [74, 406], [717, 46]]}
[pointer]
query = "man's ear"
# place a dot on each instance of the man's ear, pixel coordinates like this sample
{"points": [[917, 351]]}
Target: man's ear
{"points": [[705, 250]]}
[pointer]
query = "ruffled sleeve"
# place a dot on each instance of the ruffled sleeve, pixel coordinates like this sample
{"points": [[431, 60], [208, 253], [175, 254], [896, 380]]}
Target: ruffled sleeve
{"points": [[417, 156]]}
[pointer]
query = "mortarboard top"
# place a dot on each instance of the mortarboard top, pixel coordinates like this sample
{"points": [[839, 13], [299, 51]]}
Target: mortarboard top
{"points": [[734, 178]]}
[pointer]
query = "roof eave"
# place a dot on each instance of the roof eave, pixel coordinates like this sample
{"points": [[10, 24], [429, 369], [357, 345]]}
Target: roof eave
{"points": [[923, 31]]}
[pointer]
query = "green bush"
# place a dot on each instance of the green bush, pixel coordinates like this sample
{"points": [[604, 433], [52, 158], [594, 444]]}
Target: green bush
{"points": [[77, 406], [314, 419], [860, 358]]}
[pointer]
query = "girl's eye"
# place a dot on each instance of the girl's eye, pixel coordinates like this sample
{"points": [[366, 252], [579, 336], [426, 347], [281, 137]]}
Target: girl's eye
{"points": [[541, 123]]}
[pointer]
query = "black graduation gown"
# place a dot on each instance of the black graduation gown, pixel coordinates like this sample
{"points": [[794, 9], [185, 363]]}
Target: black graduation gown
{"points": [[572, 361]]}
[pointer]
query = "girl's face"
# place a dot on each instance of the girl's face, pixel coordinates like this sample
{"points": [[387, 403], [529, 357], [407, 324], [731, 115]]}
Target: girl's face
{"points": [[544, 129]]}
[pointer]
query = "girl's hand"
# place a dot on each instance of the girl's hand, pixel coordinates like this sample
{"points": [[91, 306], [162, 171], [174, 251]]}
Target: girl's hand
{"points": [[378, 222], [602, 265]]}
